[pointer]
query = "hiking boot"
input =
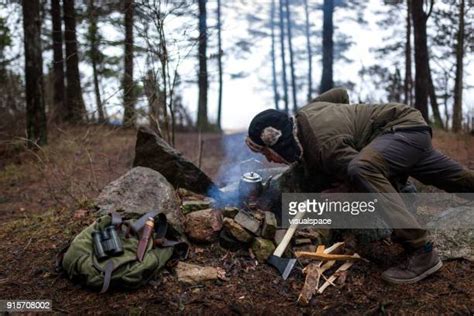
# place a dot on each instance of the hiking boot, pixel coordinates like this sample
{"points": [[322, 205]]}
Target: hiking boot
{"points": [[420, 263]]}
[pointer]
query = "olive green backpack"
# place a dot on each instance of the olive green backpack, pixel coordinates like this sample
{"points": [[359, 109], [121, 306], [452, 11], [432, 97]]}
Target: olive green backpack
{"points": [[124, 271]]}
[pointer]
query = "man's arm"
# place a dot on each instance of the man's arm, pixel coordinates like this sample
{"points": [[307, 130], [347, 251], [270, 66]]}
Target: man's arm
{"points": [[335, 95], [336, 155]]}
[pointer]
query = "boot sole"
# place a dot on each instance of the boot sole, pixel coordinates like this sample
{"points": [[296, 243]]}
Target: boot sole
{"points": [[420, 277]]}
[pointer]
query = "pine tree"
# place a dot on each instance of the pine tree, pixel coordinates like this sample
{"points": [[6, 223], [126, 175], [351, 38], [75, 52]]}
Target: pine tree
{"points": [[74, 101], [327, 81], [202, 120], [128, 86], [95, 57], [219, 65], [458, 81], [283, 59], [60, 110], [35, 108]]}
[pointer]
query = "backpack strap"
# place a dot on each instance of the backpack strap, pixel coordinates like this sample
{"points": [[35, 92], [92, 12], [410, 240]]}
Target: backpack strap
{"points": [[116, 218], [161, 230], [109, 268], [58, 267]]}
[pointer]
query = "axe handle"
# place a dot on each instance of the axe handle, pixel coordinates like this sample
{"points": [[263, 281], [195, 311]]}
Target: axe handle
{"points": [[288, 235]]}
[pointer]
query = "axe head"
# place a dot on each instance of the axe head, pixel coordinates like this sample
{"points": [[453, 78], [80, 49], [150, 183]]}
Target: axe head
{"points": [[284, 265]]}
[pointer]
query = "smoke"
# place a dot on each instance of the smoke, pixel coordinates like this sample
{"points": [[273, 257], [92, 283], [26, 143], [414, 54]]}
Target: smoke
{"points": [[237, 160]]}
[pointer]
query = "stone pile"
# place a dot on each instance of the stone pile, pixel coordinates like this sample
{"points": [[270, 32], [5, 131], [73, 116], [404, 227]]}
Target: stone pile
{"points": [[237, 228]]}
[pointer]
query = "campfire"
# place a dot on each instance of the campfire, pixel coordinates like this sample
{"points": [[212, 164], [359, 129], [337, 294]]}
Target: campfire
{"points": [[244, 215]]}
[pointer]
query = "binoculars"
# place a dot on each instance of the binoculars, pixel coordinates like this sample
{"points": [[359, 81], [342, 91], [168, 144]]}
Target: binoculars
{"points": [[107, 243]]}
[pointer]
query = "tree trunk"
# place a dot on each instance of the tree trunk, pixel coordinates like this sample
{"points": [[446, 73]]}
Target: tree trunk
{"points": [[283, 61], [457, 108], [219, 64], [154, 98], [276, 95], [35, 109], [164, 77], [309, 50], [408, 98], [327, 81], [202, 121], [438, 122], [127, 83], [421, 58], [58, 62], [94, 42], [74, 101], [292, 61]]}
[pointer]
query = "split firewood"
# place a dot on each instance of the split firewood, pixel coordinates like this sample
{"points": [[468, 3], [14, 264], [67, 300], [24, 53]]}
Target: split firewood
{"points": [[320, 249], [334, 277], [326, 256], [313, 272]]}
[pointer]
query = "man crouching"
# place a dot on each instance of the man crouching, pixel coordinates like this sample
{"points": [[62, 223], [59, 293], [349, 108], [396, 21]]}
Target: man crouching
{"points": [[366, 146]]}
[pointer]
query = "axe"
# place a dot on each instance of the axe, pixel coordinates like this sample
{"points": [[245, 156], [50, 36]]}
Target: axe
{"points": [[285, 265]]}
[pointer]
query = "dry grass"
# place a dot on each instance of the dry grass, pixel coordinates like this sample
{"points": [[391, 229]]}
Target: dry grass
{"points": [[459, 147], [69, 172]]}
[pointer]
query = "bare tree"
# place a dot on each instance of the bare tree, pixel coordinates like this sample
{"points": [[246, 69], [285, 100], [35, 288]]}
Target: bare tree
{"points": [[458, 83], [58, 61], [127, 82], [74, 101], [163, 59], [35, 108]]}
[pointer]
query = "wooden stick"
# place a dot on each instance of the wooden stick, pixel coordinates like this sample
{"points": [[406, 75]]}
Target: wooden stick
{"points": [[313, 275], [314, 271], [325, 256], [320, 249], [333, 277], [334, 247]]}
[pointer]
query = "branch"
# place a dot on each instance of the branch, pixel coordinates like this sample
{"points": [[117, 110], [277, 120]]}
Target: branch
{"points": [[430, 10]]}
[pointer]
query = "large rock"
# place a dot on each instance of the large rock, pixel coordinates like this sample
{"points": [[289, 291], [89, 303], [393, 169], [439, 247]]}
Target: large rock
{"points": [[452, 233], [139, 191], [237, 231], [262, 249], [153, 152], [192, 206], [193, 274], [247, 221], [203, 225], [269, 225]]}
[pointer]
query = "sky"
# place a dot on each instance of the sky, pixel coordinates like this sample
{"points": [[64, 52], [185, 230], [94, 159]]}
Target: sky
{"points": [[245, 97]]}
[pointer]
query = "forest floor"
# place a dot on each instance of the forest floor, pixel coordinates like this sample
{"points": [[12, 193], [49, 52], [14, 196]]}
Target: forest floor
{"points": [[41, 191]]}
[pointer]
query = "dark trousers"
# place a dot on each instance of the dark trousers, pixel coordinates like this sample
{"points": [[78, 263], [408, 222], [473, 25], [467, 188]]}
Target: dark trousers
{"points": [[402, 154]]}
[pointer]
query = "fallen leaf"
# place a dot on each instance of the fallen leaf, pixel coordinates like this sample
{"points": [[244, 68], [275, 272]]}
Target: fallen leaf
{"points": [[80, 213]]}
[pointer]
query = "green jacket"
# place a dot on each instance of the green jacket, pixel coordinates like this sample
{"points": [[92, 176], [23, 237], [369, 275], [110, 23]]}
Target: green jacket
{"points": [[332, 131]]}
